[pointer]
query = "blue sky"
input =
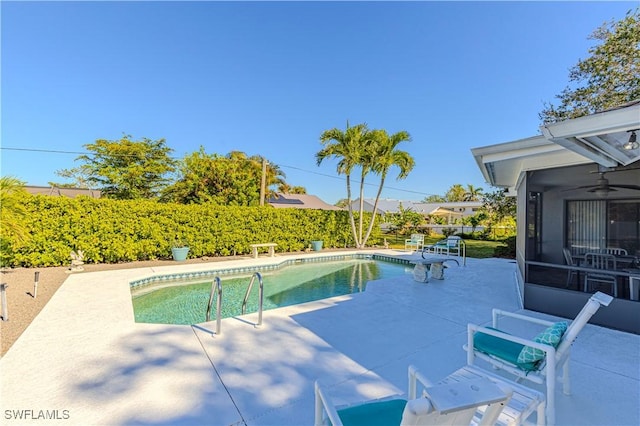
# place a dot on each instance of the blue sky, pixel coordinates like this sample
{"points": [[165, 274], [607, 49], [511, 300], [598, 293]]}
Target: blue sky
{"points": [[267, 78]]}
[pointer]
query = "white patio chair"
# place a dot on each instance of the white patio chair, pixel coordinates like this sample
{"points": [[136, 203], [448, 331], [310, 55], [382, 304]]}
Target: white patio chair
{"points": [[538, 359], [602, 263], [415, 243], [453, 403]]}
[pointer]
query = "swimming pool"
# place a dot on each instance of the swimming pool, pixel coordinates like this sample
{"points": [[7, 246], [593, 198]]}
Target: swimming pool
{"points": [[183, 300]]}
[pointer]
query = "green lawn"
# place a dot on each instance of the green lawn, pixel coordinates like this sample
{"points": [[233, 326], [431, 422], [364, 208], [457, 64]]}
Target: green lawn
{"points": [[475, 248]]}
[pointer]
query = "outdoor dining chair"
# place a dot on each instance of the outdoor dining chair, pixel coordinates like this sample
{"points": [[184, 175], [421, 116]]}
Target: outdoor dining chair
{"points": [[601, 263], [614, 251]]}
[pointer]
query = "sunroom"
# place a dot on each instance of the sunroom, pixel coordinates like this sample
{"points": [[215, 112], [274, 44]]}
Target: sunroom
{"points": [[578, 212]]}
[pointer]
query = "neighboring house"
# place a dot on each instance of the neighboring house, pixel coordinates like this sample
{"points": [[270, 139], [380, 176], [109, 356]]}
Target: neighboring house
{"points": [[450, 210], [577, 187], [300, 201], [55, 191]]}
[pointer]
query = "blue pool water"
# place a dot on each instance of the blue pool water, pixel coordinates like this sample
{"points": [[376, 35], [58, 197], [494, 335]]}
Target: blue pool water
{"points": [[186, 303]]}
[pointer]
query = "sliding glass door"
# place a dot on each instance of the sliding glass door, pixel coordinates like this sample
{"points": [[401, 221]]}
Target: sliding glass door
{"points": [[623, 225], [595, 224]]}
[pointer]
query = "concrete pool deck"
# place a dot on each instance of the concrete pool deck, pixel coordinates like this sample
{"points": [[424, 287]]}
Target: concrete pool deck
{"points": [[84, 360]]}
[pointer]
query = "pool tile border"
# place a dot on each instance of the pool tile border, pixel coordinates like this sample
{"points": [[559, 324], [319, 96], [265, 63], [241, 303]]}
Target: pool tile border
{"points": [[257, 268]]}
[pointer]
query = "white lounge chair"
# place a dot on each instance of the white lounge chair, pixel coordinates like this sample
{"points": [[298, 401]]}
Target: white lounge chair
{"points": [[453, 403], [538, 359]]}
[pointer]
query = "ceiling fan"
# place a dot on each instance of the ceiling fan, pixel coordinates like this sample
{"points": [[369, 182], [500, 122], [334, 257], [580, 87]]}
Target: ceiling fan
{"points": [[602, 185]]}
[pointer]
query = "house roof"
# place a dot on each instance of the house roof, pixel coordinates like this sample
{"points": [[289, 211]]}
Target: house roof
{"points": [[386, 205], [598, 138], [55, 191], [300, 201]]}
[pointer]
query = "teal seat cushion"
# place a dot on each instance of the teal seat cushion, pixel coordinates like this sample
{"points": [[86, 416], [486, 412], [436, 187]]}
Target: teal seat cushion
{"points": [[503, 349], [380, 413]]}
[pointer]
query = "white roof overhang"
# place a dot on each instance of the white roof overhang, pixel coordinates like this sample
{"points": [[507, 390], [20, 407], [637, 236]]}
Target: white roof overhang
{"points": [[502, 164], [598, 138]]}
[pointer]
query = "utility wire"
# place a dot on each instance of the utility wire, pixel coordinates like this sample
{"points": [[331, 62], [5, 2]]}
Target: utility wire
{"points": [[89, 154]]}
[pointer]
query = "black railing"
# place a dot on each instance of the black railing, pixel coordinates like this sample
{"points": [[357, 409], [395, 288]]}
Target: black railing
{"points": [[572, 278]]}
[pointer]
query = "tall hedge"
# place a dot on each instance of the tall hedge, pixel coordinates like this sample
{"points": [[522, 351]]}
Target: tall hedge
{"points": [[111, 231]]}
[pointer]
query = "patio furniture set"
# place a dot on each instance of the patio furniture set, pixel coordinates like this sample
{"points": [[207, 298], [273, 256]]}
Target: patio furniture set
{"points": [[472, 394], [602, 268]]}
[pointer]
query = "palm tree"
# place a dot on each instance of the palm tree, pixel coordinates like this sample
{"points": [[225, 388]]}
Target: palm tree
{"points": [[12, 213], [274, 175], [472, 193], [455, 193], [348, 148], [298, 190], [384, 155]]}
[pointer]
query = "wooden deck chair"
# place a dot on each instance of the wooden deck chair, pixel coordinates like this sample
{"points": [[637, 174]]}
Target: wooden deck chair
{"points": [[538, 359], [448, 404]]}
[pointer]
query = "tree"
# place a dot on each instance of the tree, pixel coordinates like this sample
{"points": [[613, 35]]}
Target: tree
{"points": [[126, 169], [498, 206], [472, 193], [12, 214], [610, 77], [285, 188], [347, 147], [77, 174], [382, 155], [342, 203], [233, 179], [406, 219], [372, 151], [274, 176], [12, 210], [434, 199], [475, 220], [455, 194]]}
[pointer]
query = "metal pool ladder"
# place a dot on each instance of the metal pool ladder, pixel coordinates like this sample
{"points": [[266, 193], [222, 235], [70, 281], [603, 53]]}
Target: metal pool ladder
{"points": [[260, 295], [216, 287]]}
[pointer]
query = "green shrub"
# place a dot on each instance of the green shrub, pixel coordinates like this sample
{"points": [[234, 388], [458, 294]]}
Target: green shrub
{"points": [[111, 231], [507, 249]]}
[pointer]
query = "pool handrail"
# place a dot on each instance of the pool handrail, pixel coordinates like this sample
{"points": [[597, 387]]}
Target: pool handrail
{"points": [[216, 286], [260, 295]]}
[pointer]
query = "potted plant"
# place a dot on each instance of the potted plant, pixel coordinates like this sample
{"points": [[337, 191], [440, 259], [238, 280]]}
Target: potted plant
{"points": [[179, 250], [316, 245]]}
